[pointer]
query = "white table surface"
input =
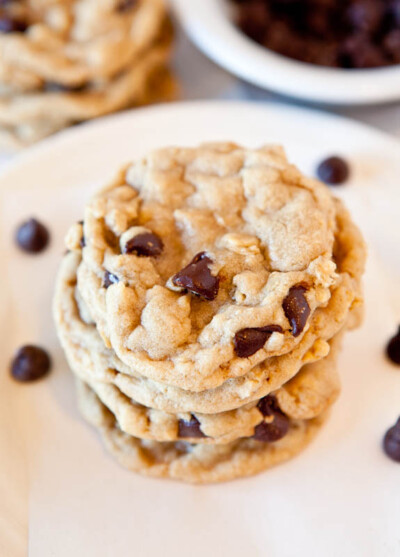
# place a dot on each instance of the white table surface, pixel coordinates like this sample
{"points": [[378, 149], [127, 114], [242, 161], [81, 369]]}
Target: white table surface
{"points": [[202, 79]]}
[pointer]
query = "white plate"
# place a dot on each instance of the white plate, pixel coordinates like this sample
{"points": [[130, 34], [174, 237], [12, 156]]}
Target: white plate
{"points": [[339, 497], [209, 24]]}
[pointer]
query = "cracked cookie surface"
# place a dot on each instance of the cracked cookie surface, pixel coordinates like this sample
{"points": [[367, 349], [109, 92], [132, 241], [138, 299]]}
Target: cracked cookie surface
{"points": [[249, 255]]}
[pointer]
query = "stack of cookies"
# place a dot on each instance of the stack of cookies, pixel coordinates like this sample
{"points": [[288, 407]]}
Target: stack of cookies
{"points": [[65, 61], [201, 304]]}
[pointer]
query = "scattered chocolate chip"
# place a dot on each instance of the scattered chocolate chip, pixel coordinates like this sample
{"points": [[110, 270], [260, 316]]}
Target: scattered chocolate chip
{"points": [[109, 279], [391, 442], [32, 236], [269, 431], [296, 308], [147, 245], [393, 348], [30, 363], [9, 24], [197, 278], [190, 428], [333, 170], [248, 341]]}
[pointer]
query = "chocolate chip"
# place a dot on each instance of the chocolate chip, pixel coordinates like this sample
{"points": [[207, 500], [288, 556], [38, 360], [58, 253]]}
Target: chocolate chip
{"points": [[317, 21], [391, 442], [365, 15], [126, 5], [248, 341], [391, 44], [274, 430], [109, 279], [268, 406], [30, 363], [32, 236], [394, 12], [358, 51], [254, 20], [190, 428], [9, 24], [296, 308], [393, 348], [346, 34], [183, 447], [333, 170], [53, 87], [82, 241], [197, 278], [147, 244]]}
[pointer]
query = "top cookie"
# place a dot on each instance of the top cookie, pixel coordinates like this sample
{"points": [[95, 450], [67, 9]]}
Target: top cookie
{"points": [[204, 262]]}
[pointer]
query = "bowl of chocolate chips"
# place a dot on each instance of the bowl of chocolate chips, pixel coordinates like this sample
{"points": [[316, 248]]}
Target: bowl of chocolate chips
{"points": [[327, 51]]}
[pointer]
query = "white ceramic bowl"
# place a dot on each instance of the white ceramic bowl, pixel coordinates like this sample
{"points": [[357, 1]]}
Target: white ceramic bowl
{"points": [[209, 24]]}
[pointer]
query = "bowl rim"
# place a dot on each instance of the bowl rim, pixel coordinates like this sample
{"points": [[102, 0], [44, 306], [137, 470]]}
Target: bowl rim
{"points": [[208, 25]]}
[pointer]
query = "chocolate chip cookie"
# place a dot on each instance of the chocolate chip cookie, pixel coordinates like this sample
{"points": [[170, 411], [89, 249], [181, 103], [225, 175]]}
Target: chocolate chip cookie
{"points": [[201, 304], [68, 61], [194, 462], [91, 360], [245, 257]]}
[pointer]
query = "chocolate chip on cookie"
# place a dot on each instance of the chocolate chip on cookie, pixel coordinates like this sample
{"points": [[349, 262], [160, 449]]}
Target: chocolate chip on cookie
{"points": [[190, 428], [197, 278], [109, 279], [296, 308], [248, 341], [268, 405], [333, 170], [54, 87], [32, 236], [10, 24], [277, 424], [391, 442], [147, 244], [82, 241], [30, 363], [126, 5], [183, 447], [393, 348]]}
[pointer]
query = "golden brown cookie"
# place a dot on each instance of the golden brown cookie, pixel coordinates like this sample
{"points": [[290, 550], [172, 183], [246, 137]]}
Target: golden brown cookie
{"points": [[91, 360], [240, 256], [76, 60], [194, 463]]}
